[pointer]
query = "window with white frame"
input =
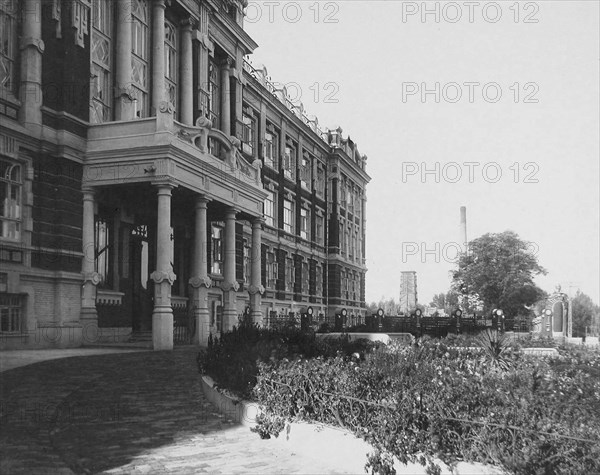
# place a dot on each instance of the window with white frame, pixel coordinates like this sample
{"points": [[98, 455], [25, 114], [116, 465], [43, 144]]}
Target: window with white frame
{"points": [[272, 269], [304, 223], [140, 39], [289, 162], [171, 64], [288, 216], [319, 230], [269, 209], [271, 147], [102, 58], [217, 250], [290, 274], [306, 171], [8, 45], [11, 185]]}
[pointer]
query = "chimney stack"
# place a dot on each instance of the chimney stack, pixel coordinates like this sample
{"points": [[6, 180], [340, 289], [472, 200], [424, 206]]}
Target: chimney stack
{"points": [[463, 228]]}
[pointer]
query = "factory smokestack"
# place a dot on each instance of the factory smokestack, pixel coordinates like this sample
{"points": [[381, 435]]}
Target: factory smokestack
{"points": [[463, 228]]}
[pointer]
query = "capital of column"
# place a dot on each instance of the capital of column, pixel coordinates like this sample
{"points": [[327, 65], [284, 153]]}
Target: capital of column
{"points": [[197, 282], [231, 212], [160, 276], [188, 24], [37, 43], [227, 63], [228, 286], [91, 277], [258, 221], [162, 3], [202, 202], [164, 188], [256, 289], [88, 194]]}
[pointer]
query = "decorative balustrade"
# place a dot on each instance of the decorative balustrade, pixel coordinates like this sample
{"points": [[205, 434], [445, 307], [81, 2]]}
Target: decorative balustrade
{"points": [[203, 137]]}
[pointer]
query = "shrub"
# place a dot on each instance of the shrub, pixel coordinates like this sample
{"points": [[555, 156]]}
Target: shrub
{"points": [[432, 400], [232, 360]]}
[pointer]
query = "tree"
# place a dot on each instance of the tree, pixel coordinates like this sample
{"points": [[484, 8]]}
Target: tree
{"points": [[585, 314], [447, 302], [498, 269]]}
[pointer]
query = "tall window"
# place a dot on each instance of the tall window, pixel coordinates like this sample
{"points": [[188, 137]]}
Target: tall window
{"points": [[319, 280], [271, 148], [319, 228], [139, 58], [247, 134], [214, 92], [289, 162], [343, 192], [290, 277], [102, 250], [320, 181], [217, 249], [272, 269], [171, 64], [269, 209], [288, 216], [10, 194], [304, 223], [101, 46], [305, 171], [305, 278], [8, 45]]}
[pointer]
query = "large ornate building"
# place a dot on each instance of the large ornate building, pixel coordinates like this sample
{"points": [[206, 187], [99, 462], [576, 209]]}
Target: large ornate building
{"points": [[149, 170]]}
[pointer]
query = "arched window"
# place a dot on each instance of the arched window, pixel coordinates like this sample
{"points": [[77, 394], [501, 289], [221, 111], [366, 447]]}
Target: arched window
{"points": [[10, 195]]}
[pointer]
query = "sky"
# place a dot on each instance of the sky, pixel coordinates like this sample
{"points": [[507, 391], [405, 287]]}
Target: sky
{"points": [[490, 105]]}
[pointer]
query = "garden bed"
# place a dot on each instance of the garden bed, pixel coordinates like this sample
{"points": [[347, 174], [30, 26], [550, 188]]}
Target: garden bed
{"points": [[435, 401]]}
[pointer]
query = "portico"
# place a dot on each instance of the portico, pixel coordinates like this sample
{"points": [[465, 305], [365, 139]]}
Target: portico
{"points": [[179, 188]]}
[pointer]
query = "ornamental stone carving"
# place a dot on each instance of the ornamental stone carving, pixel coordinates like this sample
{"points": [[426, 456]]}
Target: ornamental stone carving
{"points": [[92, 277], [197, 282], [160, 276], [37, 43], [253, 289], [227, 286]]}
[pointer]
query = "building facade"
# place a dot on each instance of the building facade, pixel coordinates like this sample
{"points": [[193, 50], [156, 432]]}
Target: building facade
{"points": [[151, 174]]}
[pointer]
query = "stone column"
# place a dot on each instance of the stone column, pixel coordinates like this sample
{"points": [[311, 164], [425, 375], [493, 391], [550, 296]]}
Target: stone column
{"points": [[163, 276], [89, 315], [200, 281], [32, 48], [256, 289], [123, 99], [186, 96], [158, 54], [230, 285], [226, 97]]}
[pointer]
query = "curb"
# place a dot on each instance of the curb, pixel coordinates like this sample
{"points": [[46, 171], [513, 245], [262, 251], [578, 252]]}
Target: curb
{"points": [[239, 410]]}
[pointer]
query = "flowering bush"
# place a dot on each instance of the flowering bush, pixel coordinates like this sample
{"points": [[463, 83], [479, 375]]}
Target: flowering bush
{"points": [[431, 400]]}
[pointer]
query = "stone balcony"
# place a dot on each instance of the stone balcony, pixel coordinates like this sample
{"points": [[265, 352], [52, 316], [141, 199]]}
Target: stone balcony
{"points": [[159, 149]]}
